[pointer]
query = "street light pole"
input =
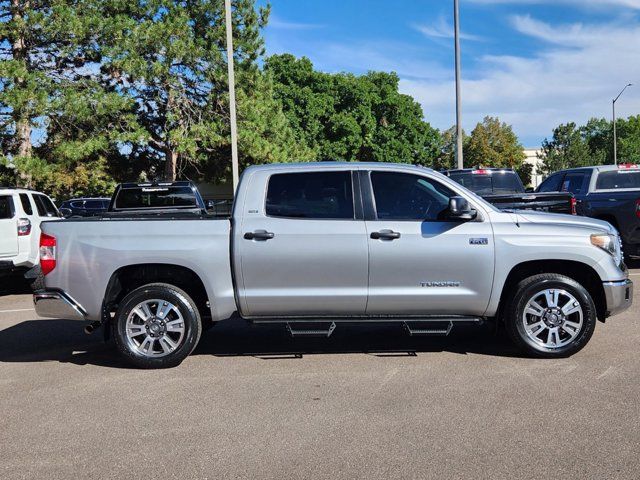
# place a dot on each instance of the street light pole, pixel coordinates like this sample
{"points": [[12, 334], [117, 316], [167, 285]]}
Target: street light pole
{"points": [[456, 22], [232, 95], [615, 137]]}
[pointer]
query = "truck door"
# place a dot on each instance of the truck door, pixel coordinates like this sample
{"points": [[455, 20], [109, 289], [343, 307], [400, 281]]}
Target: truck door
{"points": [[301, 249], [8, 227], [419, 262]]}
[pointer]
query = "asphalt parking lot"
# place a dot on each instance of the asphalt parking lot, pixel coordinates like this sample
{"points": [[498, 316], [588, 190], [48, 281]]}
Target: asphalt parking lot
{"points": [[366, 403]]}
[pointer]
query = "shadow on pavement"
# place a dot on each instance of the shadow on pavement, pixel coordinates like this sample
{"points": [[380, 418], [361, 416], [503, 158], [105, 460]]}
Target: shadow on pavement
{"points": [[632, 263], [65, 341], [14, 285]]}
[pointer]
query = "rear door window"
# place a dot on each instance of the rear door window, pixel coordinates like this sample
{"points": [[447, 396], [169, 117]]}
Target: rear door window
{"points": [[26, 204], [6, 207], [573, 182], [551, 184], [489, 183], [327, 195], [156, 197]]}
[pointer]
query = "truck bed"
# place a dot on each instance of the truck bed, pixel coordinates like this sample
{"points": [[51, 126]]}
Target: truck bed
{"points": [[91, 249]]}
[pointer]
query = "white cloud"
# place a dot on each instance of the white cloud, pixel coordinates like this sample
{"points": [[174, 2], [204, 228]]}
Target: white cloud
{"points": [[572, 79], [442, 29], [590, 4], [278, 23]]}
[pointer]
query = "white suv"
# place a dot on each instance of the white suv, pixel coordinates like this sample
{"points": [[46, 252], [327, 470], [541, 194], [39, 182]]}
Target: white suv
{"points": [[21, 212]]}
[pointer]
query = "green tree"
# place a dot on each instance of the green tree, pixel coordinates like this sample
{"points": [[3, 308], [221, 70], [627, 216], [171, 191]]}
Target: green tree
{"points": [[566, 149], [493, 144], [629, 139], [50, 92], [168, 57], [446, 158], [348, 117]]}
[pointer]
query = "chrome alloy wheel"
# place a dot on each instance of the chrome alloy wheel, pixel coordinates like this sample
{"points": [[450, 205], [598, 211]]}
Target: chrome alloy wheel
{"points": [[155, 328], [552, 318]]}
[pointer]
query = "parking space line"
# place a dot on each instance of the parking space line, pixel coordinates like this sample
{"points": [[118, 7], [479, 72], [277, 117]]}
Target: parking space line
{"points": [[18, 310]]}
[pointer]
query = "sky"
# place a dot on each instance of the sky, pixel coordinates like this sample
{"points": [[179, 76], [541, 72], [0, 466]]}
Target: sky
{"points": [[532, 63]]}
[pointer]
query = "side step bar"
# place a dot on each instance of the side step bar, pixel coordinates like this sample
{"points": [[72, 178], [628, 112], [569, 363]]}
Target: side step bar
{"points": [[316, 332], [432, 330], [435, 326]]}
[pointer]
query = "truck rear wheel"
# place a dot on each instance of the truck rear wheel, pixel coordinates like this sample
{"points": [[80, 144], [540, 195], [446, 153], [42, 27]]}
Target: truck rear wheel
{"points": [[551, 316], [157, 326]]}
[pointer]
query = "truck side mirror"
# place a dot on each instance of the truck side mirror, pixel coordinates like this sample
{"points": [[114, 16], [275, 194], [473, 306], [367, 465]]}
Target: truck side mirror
{"points": [[65, 212], [459, 209], [529, 190], [211, 204]]}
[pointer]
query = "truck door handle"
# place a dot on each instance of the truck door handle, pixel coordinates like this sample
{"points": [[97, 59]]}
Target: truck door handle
{"points": [[259, 235], [385, 235]]}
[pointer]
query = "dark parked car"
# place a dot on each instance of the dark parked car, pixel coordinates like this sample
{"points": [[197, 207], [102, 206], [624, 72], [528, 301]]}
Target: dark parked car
{"points": [[503, 188], [607, 192], [84, 207]]}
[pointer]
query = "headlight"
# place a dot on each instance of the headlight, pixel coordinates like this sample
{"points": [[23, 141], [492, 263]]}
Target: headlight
{"points": [[609, 243]]}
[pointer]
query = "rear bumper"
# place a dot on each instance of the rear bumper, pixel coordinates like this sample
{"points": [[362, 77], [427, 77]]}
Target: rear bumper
{"points": [[619, 296], [57, 304]]}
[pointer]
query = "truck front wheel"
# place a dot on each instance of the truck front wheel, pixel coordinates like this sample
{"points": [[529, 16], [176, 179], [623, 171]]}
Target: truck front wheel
{"points": [[551, 316], [157, 326]]}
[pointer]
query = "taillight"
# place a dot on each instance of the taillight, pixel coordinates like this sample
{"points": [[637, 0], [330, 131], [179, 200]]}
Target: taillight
{"points": [[574, 202], [638, 208], [47, 253], [24, 227]]}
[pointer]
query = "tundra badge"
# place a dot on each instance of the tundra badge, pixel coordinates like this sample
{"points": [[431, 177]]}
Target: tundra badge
{"points": [[479, 241]]}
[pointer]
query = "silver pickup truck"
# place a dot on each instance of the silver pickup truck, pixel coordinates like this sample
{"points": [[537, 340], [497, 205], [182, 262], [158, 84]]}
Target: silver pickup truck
{"points": [[312, 245]]}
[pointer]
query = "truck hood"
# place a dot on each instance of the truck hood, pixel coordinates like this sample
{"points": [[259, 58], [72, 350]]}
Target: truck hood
{"points": [[565, 220]]}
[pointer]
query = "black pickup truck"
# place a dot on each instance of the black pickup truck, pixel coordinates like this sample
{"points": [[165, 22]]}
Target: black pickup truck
{"points": [[607, 192], [503, 188], [156, 198]]}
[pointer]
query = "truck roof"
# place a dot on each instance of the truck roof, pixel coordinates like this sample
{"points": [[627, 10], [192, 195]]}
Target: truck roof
{"points": [[331, 165], [603, 168], [18, 189], [180, 183], [480, 170]]}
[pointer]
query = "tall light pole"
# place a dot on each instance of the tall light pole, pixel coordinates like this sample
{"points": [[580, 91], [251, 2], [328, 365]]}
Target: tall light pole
{"points": [[615, 137], [232, 95], [456, 26]]}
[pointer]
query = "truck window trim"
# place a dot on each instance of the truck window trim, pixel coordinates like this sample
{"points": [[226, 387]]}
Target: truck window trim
{"points": [[355, 198]]}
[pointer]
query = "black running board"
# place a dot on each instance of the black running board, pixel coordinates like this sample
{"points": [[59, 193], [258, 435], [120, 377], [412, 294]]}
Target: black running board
{"points": [[355, 319], [314, 332], [431, 330]]}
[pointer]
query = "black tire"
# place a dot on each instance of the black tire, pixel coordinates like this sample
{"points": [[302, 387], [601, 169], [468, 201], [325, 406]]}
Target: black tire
{"points": [[526, 290], [192, 326]]}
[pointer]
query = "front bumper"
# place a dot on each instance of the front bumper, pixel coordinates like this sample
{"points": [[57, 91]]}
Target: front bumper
{"points": [[57, 304], [619, 296]]}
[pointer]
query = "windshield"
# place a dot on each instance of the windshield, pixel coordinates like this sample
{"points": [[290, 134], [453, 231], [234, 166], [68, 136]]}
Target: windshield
{"points": [[155, 197], [489, 183], [618, 179]]}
